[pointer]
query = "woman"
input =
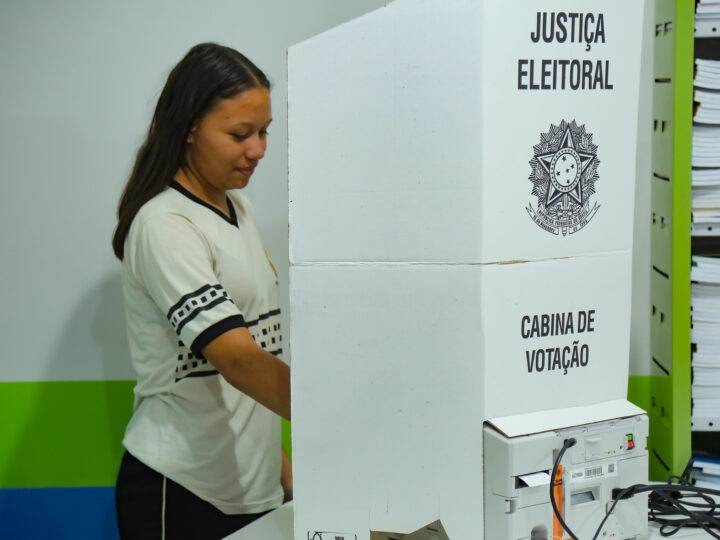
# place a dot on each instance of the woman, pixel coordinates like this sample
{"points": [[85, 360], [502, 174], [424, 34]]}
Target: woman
{"points": [[203, 446]]}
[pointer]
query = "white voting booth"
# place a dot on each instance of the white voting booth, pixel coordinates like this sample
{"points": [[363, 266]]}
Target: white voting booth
{"points": [[461, 177]]}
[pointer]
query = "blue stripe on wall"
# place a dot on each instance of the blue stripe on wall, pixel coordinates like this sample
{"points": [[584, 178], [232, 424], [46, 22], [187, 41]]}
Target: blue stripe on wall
{"points": [[58, 514]]}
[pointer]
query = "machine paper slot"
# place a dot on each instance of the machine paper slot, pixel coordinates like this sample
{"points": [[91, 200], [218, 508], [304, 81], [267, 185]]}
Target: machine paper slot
{"points": [[541, 478]]}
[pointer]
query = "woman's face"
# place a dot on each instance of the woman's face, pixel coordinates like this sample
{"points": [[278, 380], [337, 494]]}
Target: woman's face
{"points": [[226, 144]]}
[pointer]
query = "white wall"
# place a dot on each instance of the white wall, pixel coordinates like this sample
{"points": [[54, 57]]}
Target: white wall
{"points": [[79, 83]]}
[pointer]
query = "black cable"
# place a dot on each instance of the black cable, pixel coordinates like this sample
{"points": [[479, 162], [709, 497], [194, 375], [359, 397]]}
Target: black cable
{"points": [[665, 501], [569, 443], [623, 494], [666, 507]]}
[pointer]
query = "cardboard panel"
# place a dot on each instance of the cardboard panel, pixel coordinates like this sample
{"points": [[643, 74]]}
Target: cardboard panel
{"points": [[396, 366], [557, 333], [427, 238], [387, 396], [383, 122], [417, 133], [537, 422]]}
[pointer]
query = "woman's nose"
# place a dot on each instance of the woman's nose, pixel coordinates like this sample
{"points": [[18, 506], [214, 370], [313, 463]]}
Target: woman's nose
{"points": [[256, 147]]}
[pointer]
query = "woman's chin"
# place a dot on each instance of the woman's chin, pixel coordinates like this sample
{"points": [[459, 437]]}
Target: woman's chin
{"points": [[237, 184], [239, 180]]}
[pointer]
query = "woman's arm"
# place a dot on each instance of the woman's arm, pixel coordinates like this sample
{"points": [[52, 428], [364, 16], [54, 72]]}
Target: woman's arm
{"points": [[251, 369]]}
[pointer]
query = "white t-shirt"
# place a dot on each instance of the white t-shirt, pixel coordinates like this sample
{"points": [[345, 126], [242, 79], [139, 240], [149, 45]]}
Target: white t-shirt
{"points": [[189, 275]]}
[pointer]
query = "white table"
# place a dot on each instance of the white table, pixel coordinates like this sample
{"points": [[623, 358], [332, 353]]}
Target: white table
{"points": [[685, 534], [278, 525]]}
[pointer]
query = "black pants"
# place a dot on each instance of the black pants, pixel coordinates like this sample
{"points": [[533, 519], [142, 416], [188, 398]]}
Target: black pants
{"points": [[153, 507]]}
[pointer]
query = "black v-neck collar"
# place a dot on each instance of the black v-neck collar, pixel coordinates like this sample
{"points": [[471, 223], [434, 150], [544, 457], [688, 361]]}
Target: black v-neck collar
{"points": [[232, 219]]}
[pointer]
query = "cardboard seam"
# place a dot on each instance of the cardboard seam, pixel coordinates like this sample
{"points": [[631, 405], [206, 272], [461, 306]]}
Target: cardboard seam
{"points": [[449, 263]]}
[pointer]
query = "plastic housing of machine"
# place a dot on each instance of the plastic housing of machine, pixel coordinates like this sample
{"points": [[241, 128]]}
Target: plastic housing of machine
{"points": [[607, 455]]}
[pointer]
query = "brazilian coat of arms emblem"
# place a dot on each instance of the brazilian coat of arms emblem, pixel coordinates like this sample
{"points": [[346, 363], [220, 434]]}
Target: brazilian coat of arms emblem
{"points": [[564, 172]]}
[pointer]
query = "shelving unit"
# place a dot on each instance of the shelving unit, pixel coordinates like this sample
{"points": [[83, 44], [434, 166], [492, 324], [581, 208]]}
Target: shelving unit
{"points": [[705, 437], [666, 393], [669, 382]]}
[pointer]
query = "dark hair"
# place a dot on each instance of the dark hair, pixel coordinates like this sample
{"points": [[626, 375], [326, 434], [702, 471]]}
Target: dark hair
{"points": [[208, 73]]}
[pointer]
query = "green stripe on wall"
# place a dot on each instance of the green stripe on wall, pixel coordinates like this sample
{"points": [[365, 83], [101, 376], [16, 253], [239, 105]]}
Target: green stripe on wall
{"points": [[286, 438], [62, 434], [66, 434]]}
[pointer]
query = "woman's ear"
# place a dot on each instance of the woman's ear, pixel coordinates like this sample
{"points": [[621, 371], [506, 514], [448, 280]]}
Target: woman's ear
{"points": [[191, 134]]}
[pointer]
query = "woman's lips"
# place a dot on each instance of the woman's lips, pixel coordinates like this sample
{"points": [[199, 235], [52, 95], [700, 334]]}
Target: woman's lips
{"points": [[247, 171]]}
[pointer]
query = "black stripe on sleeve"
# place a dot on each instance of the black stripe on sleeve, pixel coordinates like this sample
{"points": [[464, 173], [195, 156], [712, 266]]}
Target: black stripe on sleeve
{"points": [[263, 317], [188, 296], [199, 310], [198, 374], [217, 329]]}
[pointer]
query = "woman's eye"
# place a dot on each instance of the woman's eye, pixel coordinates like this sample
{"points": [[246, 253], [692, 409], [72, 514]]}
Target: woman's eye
{"points": [[238, 137], [264, 132]]}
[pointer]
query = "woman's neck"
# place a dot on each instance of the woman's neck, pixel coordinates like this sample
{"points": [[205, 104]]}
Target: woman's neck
{"points": [[202, 190]]}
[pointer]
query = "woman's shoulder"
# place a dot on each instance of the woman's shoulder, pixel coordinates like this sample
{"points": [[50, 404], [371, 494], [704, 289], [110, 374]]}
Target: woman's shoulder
{"points": [[160, 228], [168, 205], [164, 202], [166, 214]]}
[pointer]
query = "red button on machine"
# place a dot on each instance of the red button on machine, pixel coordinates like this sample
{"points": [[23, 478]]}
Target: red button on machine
{"points": [[631, 443]]}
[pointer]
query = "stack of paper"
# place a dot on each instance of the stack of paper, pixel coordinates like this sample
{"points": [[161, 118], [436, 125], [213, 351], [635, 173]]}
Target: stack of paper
{"points": [[706, 271], [706, 145], [707, 74], [708, 106], [705, 177], [705, 335], [707, 18], [705, 208], [706, 471], [706, 198]]}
